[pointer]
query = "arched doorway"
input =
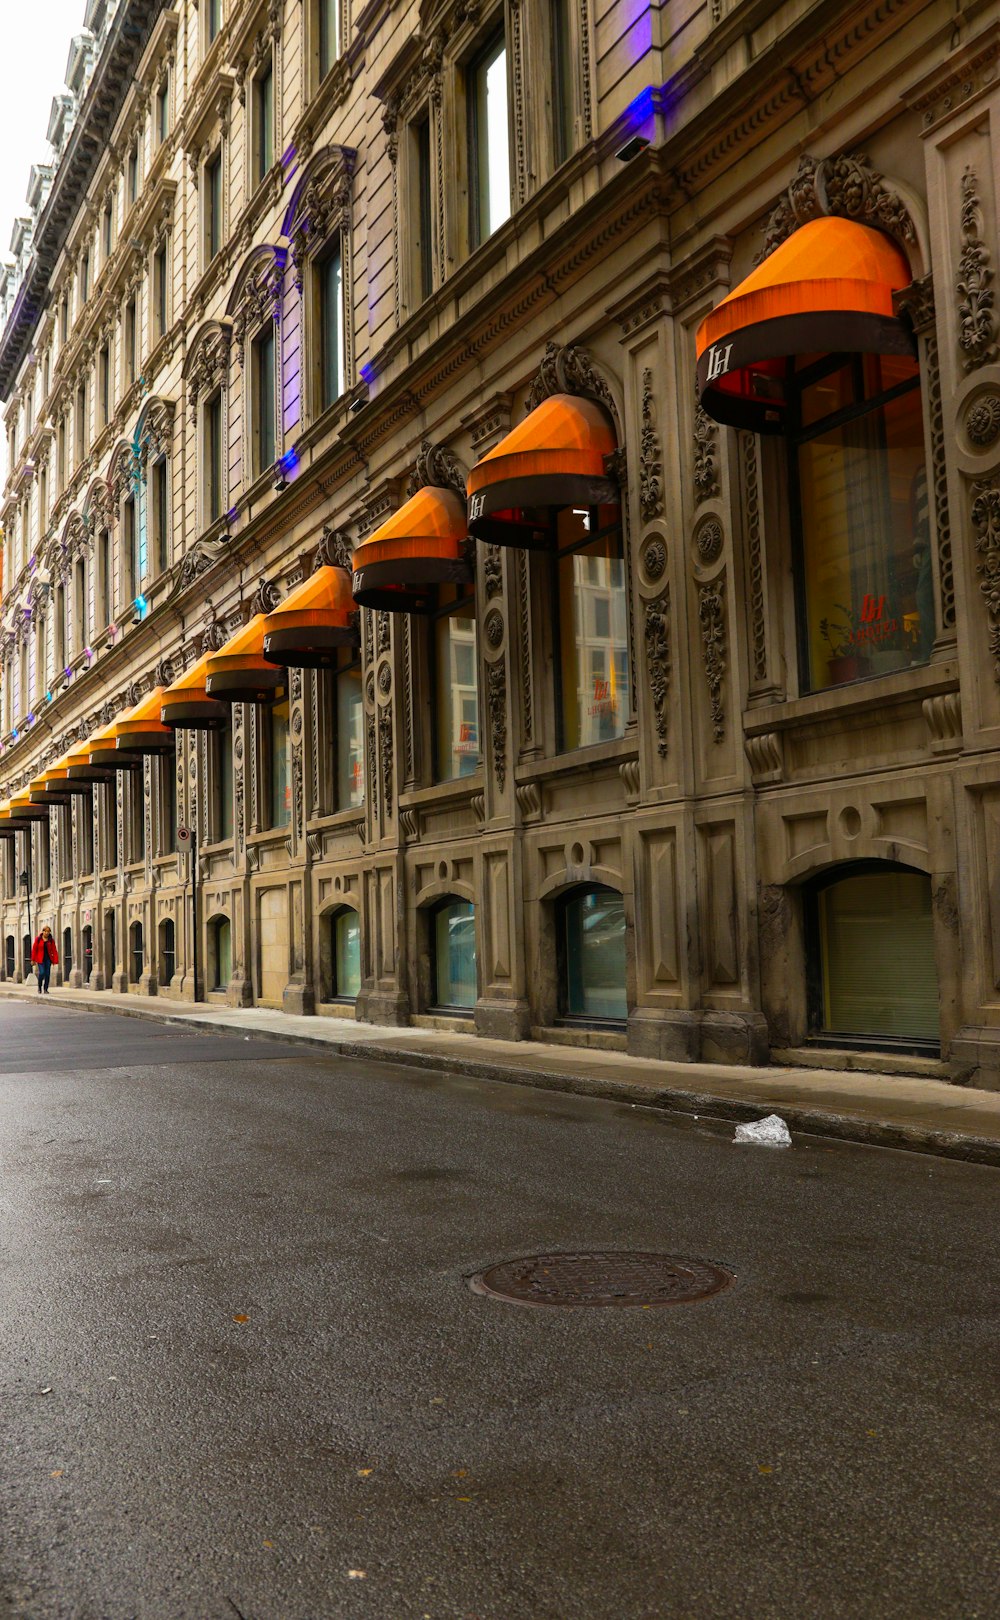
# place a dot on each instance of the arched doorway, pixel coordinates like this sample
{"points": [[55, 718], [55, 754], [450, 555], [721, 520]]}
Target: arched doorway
{"points": [[136, 953], [340, 955], [67, 954], [88, 953], [591, 953], [872, 975], [454, 982], [220, 953]]}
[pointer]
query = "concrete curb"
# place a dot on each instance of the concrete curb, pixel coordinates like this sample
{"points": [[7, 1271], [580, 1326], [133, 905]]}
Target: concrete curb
{"points": [[669, 1099]]}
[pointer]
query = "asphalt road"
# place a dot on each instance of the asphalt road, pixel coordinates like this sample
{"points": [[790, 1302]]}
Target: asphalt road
{"points": [[243, 1373]]}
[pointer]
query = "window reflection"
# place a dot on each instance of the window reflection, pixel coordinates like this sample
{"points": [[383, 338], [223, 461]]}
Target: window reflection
{"points": [[346, 955], [280, 782], [594, 955], [456, 687], [454, 940], [593, 629], [350, 734]]}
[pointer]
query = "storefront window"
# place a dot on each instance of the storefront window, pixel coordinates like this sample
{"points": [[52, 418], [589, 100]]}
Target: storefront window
{"points": [[456, 687], [874, 972], [280, 778], [454, 950], [589, 586], [860, 507], [222, 953], [346, 952], [349, 732], [593, 955]]}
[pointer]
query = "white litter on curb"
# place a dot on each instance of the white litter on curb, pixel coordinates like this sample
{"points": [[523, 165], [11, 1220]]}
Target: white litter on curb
{"points": [[769, 1132]]}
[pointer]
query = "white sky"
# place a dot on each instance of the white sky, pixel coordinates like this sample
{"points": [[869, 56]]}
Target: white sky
{"points": [[34, 48]]}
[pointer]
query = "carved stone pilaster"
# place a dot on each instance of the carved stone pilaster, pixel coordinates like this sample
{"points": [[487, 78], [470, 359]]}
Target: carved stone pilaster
{"points": [[650, 455], [712, 619], [985, 516], [656, 634], [977, 326]]}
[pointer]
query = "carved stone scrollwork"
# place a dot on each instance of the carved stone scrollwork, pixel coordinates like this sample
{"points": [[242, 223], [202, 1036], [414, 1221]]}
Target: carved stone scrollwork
{"points": [[371, 762], [977, 326], [766, 756], [202, 556], [334, 549], [712, 618], [478, 803], [496, 699], [656, 632], [320, 206], [628, 770], [385, 757], [437, 466], [493, 628], [650, 458], [568, 370], [706, 451], [213, 636], [846, 186], [529, 799], [708, 542], [492, 571], [266, 597], [985, 515], [755, 558], [256, 297], [207, 364], [409, 825], [943, 714]]}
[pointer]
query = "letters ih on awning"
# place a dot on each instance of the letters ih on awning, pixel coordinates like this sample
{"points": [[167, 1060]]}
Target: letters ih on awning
{"points": [[422, 546], [828, 289], [556, 457]]}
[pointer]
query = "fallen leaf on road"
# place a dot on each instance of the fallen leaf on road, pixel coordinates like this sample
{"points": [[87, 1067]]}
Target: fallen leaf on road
{"points": [[872, 1432], [763, 1468], [436, 1400], [241, 1318], [267, 1543], [356, 1574], [460, 1473], [364, 1472], [57, 1473]]}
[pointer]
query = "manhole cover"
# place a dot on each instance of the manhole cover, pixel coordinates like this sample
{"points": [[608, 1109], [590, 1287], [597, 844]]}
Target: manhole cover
{"points": [[602, 1279]]}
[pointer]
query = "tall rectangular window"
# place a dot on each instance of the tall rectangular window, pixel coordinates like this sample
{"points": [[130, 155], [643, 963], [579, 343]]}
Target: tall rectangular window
{"points": [[107, 237], [85, 831], [262, 383], [489, 142], [163, 110], [212, 458], [263, 123], [213, 19], [592, 667], [160, 291], [278, 774], [84, 278], [159, 502], [130, 343], [331, 323], [456, 686], [167, 804], [106, 579], [80, 414], [130, 540], [329, 34], [212, 207], [349, 731], [222, 783], [80, 615], [43, 497], [61, 452], [132, 173], [104, 385], [59, 627], [562, 80], [424, 220]]}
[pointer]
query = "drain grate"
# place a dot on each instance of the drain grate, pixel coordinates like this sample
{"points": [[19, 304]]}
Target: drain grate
{"points": [[602, 1278]]}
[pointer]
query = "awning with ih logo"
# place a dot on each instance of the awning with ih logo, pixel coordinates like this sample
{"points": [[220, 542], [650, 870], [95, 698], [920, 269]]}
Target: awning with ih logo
{"points": [[240, 673], [185, 702], [141, 731], [313, 622], [556, 457], [421, 546], [827, 290]]}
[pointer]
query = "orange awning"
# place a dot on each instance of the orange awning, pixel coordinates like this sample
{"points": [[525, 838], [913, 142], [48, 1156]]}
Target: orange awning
{"points": [[423, 545], [141, 731], [312, 622], [10, 823], [103, 750], [827, 290], [554, 458], [60, 777], [79, 766], [185, 701], [50, 787], [22, 809], [240, 673]]}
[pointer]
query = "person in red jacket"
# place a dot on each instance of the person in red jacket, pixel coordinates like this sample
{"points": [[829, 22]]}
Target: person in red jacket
{"points": [[44, 953]]}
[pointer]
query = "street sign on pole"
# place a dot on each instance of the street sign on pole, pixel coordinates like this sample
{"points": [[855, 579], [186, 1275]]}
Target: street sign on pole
{"points": [[183, 837]]}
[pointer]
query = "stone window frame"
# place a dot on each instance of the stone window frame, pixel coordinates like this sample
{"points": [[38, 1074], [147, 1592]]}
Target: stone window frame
{"points": [[320, 213], [257, 297], [311, 42], [206, 374]]}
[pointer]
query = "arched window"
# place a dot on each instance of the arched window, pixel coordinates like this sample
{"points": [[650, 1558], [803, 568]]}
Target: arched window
{"points": [[10, 956], [344, 954], [166, 953], [453, 954], [872, 973], [592, 955], [221, 958], [137, 955]]}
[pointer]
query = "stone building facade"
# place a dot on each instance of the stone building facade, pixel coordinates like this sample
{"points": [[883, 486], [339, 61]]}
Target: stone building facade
{"points": [[711, 770]]}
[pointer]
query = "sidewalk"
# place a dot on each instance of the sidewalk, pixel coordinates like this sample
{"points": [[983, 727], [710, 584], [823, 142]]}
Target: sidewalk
{"points": [[902, 1111]]}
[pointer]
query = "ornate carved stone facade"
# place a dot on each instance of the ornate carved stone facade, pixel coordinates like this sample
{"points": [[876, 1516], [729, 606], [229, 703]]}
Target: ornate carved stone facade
{"points": [[716, 790]]}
